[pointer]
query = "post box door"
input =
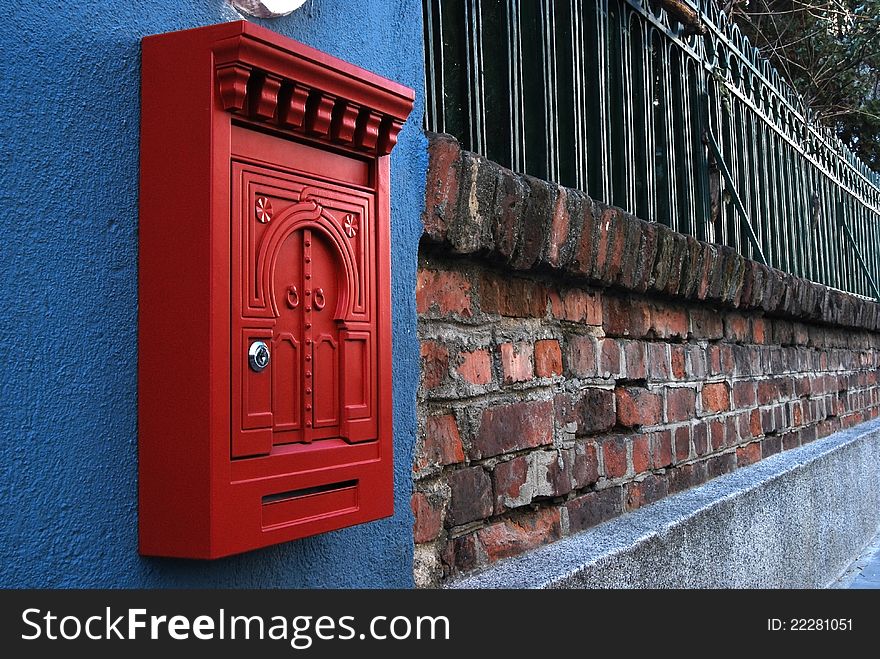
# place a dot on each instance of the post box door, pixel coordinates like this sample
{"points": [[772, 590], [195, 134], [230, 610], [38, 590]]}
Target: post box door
{"points": [[306, 359]]}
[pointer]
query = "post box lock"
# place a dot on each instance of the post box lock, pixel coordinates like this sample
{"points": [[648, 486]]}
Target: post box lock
{"points": [[282, 160], [258, 356]]}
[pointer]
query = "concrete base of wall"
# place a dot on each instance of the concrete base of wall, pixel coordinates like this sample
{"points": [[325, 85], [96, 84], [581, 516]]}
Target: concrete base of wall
{"points": [[794, 520]]}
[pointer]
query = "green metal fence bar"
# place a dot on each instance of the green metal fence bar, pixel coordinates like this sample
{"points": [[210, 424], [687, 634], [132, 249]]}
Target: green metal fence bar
{"points": [[614, 97]]}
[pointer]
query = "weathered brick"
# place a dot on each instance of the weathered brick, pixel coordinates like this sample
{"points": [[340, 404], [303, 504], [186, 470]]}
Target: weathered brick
{"points": [[435, 363], [737, 328], [771, 445], [715, 397], [641, 453], [759, 330], [635, 356], [717, 434], [476, 367], [686, 476], [428, 515], [623, 317], [594, 411], [471, 498], [511, 483], [609, 358], [744, 394], [511, 196], [696, 362], [513, 296], [720, 464], [594, 508], [658, 361], [748, 454], [442, 443], [700, 433], [669, 322], [469, 229], [678, 361], [517, 362], [614, 456], [586, 466], [580, 356], [560, 225], [641, 493], [578, 306], [536, 222], [511, 537], [682, 443], [791, 440], [463, 553], [756, 426], [767, 392], [548, 358], [441, 194], [661, 448], [443, 293], [681, 404], [637, 406], [506, 428]]}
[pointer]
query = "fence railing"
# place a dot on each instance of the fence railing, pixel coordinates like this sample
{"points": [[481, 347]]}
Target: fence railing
{"points": [[684, 125]]}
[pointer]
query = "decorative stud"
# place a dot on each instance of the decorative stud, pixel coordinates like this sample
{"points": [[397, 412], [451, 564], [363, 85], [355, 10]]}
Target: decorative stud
{"points": [[263, 210], [350, 224]]}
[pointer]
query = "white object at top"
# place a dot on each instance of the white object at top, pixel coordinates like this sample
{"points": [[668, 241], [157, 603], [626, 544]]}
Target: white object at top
{"points": [[268, 8]]}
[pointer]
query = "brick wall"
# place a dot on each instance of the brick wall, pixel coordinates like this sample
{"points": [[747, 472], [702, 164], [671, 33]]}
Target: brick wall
{"points": [[578, 363]]}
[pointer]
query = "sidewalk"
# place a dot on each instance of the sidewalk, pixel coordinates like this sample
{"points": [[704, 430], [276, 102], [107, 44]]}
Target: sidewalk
{"points": [[864, 573]]}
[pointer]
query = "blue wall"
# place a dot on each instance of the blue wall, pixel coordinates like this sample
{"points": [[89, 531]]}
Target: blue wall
{"points": [[69, 117]]}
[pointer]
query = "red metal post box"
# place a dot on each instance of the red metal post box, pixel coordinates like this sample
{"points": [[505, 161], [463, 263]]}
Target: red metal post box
{"points": [[264, 291]]}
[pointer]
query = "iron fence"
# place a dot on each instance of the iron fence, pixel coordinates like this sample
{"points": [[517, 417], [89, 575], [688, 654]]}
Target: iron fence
{"points": [[681, 124]]}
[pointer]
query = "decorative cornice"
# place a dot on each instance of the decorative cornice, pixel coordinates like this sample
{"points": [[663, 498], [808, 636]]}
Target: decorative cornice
{"points": [[296, 88]]}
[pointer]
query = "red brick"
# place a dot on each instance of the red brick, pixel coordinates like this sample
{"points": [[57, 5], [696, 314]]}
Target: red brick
{"points": [[658, 361], [463, 553], [706, 323], [513, 296], [435, 364], [638, 407], [756, 426], [661, 448], [641, 493], [717, 431], [625, 317], [506, 428], [609, 358], [768, 392], [471, 495], [677, 358], [635, 356], [685, 476], [509, 478], [442, 443], [682, 443], [771, 446], [614, 457], [744, 395], [578, 306], [516, 362], [444, 164], [641, 453], [443, 293], [428, 518], [759, 331], [595, 411], [594, 508], [791, 440], [580, 356], [732, 430], [748, 454], [512, 537], [737, 328], [548, 358], [716, 397], [681, 404], [700, 434], [476, 367], [559, 227], [720, 464], [669, 322], [586, 466]]}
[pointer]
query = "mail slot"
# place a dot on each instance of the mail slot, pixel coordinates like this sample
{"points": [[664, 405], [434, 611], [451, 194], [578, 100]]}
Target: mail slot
{"points": [[264, 291]]}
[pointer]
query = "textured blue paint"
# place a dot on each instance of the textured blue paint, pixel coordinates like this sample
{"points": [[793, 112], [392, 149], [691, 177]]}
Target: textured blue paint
{"points": [[69, 117]]}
